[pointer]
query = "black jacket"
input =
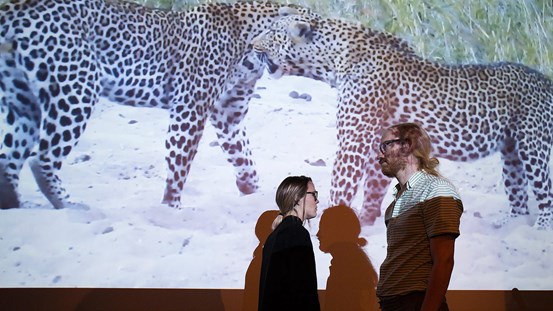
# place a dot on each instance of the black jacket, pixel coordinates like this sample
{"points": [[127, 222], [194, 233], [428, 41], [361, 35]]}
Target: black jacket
{"points": [[288, 278]]}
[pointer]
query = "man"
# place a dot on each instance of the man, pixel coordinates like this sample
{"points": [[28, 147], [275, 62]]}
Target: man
{"points": [[422, 224]]}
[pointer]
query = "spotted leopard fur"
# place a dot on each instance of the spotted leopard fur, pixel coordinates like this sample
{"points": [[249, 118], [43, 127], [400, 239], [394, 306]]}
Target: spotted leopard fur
{"points": [[57, 57], [470, 111]]}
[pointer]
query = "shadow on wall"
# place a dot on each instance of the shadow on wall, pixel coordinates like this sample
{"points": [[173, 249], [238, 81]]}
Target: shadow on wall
{"points": [[351, 284], [251, 285], [352, 281]]}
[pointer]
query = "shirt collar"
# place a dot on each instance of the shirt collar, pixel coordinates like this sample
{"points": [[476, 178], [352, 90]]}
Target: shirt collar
{"points": [[412, 182]]}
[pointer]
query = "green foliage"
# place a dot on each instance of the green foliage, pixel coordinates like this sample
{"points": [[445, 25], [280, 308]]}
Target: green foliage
{"points": [[452, 31], [475, 31]]}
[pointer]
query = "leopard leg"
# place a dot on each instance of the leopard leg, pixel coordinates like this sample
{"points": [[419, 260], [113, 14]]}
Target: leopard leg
{"points": [[67, 106], [358, 125], [545, 219], [539, 180], [348, 173], [515, 181], [20, 116], [186, 127], [374, 187], [227, 115], [54, 146]]}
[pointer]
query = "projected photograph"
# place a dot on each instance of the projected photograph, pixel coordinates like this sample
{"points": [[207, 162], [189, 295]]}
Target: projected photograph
{"points": [[147, 153]]}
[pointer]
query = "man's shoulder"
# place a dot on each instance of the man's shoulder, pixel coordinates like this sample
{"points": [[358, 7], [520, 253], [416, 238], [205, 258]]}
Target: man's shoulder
{"points": [[437, 186]]}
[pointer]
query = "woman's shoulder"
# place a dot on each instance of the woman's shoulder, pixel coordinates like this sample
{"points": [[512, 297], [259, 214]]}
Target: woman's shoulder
{"points": [[292, 224], [291, 232]]}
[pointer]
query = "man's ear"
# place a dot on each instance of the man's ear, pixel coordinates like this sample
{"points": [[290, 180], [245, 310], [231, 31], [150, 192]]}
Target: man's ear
{"points": [[406, 147], [300, 32]]}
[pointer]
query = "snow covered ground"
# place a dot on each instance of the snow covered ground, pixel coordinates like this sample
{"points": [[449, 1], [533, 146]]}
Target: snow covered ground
{"points": [[128, 239]]}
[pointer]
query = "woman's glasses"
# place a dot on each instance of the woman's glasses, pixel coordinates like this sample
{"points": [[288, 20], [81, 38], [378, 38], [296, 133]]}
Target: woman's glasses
{"points": [[315, 194]]}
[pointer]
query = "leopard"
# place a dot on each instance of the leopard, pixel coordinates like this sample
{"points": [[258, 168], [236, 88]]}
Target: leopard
{"points": [[59, 57], [470, 111]]}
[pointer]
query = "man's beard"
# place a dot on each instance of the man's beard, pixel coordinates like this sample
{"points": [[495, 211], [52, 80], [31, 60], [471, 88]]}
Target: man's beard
{"points": [[394, 164]]}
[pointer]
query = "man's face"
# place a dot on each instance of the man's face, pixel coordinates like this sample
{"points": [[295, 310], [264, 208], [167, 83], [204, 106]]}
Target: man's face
{"points": [[389, 155]]}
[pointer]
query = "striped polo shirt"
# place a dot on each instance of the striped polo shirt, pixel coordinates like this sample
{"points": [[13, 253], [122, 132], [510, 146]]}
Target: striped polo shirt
{"points": [[430, 206]]}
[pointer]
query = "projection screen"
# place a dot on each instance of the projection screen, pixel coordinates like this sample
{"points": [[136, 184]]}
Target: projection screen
{"points": [[119, 234]]}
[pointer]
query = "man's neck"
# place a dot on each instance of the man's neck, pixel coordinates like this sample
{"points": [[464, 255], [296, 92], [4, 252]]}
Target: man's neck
{"points": [[404, 175]]}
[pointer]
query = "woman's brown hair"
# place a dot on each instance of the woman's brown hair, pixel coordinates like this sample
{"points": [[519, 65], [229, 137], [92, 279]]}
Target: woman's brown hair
{"points": [[290, 191]]}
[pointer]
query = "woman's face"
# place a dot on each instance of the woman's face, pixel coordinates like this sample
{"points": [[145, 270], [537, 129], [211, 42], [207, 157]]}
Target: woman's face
{"points": [[310, 202]]}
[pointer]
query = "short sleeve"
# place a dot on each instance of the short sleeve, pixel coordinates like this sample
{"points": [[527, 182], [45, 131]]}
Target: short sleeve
{"points": [[442, 215]]}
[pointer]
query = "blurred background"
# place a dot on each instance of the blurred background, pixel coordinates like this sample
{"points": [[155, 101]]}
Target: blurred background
{"points": [[475, 31]]}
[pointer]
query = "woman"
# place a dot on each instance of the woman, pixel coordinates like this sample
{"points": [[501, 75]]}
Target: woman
{"points": [[288, 278]]}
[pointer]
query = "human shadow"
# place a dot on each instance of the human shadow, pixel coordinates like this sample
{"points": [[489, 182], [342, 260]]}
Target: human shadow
{"points": [[351, 284], [251, 286]]}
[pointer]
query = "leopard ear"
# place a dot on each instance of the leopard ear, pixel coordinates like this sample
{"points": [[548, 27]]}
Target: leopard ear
{"points": [[287, 10], [300, 32]]}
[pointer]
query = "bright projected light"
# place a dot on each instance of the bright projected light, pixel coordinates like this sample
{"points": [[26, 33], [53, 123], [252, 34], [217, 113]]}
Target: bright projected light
{"points": [[119, 234]]}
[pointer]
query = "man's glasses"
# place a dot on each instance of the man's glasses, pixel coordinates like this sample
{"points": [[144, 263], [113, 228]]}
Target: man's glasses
{"points": [[385, 144], [315, 194]]}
